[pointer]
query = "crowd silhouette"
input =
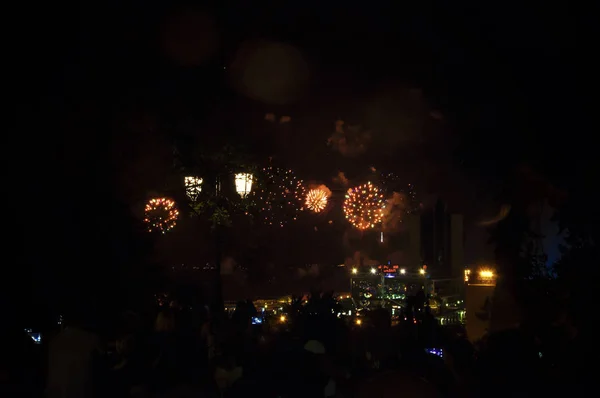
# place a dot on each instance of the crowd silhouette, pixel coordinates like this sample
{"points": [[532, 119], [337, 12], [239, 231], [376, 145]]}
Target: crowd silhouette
{"points": [[179, 351]]}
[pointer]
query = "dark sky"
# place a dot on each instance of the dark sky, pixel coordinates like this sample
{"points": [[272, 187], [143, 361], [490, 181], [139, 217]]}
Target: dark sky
{"points": [[452, 95]]}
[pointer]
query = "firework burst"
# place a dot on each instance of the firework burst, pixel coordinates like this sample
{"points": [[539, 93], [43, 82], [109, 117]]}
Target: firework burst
{"points": [[316, 199], [364, 206], [161, 215], [279, 197]]}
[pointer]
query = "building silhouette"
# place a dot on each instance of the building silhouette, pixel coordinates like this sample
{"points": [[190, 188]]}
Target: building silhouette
{"points": [[442, 241]]}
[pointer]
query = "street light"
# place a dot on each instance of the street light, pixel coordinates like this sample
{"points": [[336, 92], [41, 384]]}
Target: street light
{"points": [[486, 274], [402, 271], [243, 184], [373, 270], [354, 271], [193, 187], [422, 271]]}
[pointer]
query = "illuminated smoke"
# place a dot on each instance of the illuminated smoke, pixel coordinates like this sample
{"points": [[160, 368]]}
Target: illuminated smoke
{"points": [[341, 179], [349, 140], [394, 212]]}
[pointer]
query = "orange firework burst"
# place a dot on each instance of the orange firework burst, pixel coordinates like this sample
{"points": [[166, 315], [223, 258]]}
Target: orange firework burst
{"points": [[364, 206], [161, 214], [316, 200]]}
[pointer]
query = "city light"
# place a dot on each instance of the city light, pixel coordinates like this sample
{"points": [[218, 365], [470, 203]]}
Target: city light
{"points": [[486, 274], [282, 318], [467, 274], [243, 184], [359, 322], [403, 271], [373, 270], [354, 271], [422, 271]]}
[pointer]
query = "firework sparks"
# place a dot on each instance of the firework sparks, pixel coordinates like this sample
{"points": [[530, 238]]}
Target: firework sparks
{"points": [[280, 196], [316, 199], [161, 214], [364, 206]]}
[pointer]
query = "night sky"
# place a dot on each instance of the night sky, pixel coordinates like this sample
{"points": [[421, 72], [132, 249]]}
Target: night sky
{"points": [[452, 96]]}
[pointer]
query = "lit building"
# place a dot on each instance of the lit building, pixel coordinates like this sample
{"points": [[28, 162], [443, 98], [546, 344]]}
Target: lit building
{"points": [[479, 293], [376, 286]]}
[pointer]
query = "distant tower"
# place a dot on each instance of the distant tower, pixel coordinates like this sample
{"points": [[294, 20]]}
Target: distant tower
{"points": [[536, 245], [442, 241], [413, 247], [457, 246], [434, 235]]}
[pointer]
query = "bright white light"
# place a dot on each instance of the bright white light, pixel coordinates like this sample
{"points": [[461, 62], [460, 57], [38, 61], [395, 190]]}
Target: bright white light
{"points": [[422, 271], [486, 274], [373, 270], [354, 271], [193, 187], [381, 237], [243, 184], [402, 271]]}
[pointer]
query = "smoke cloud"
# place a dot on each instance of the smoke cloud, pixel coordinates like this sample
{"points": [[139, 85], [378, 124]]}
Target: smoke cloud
{"points": [[228, 266], [341, 179], [394, 212], [350, 141], [355, 260], [322, 187], [311, 271]]}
